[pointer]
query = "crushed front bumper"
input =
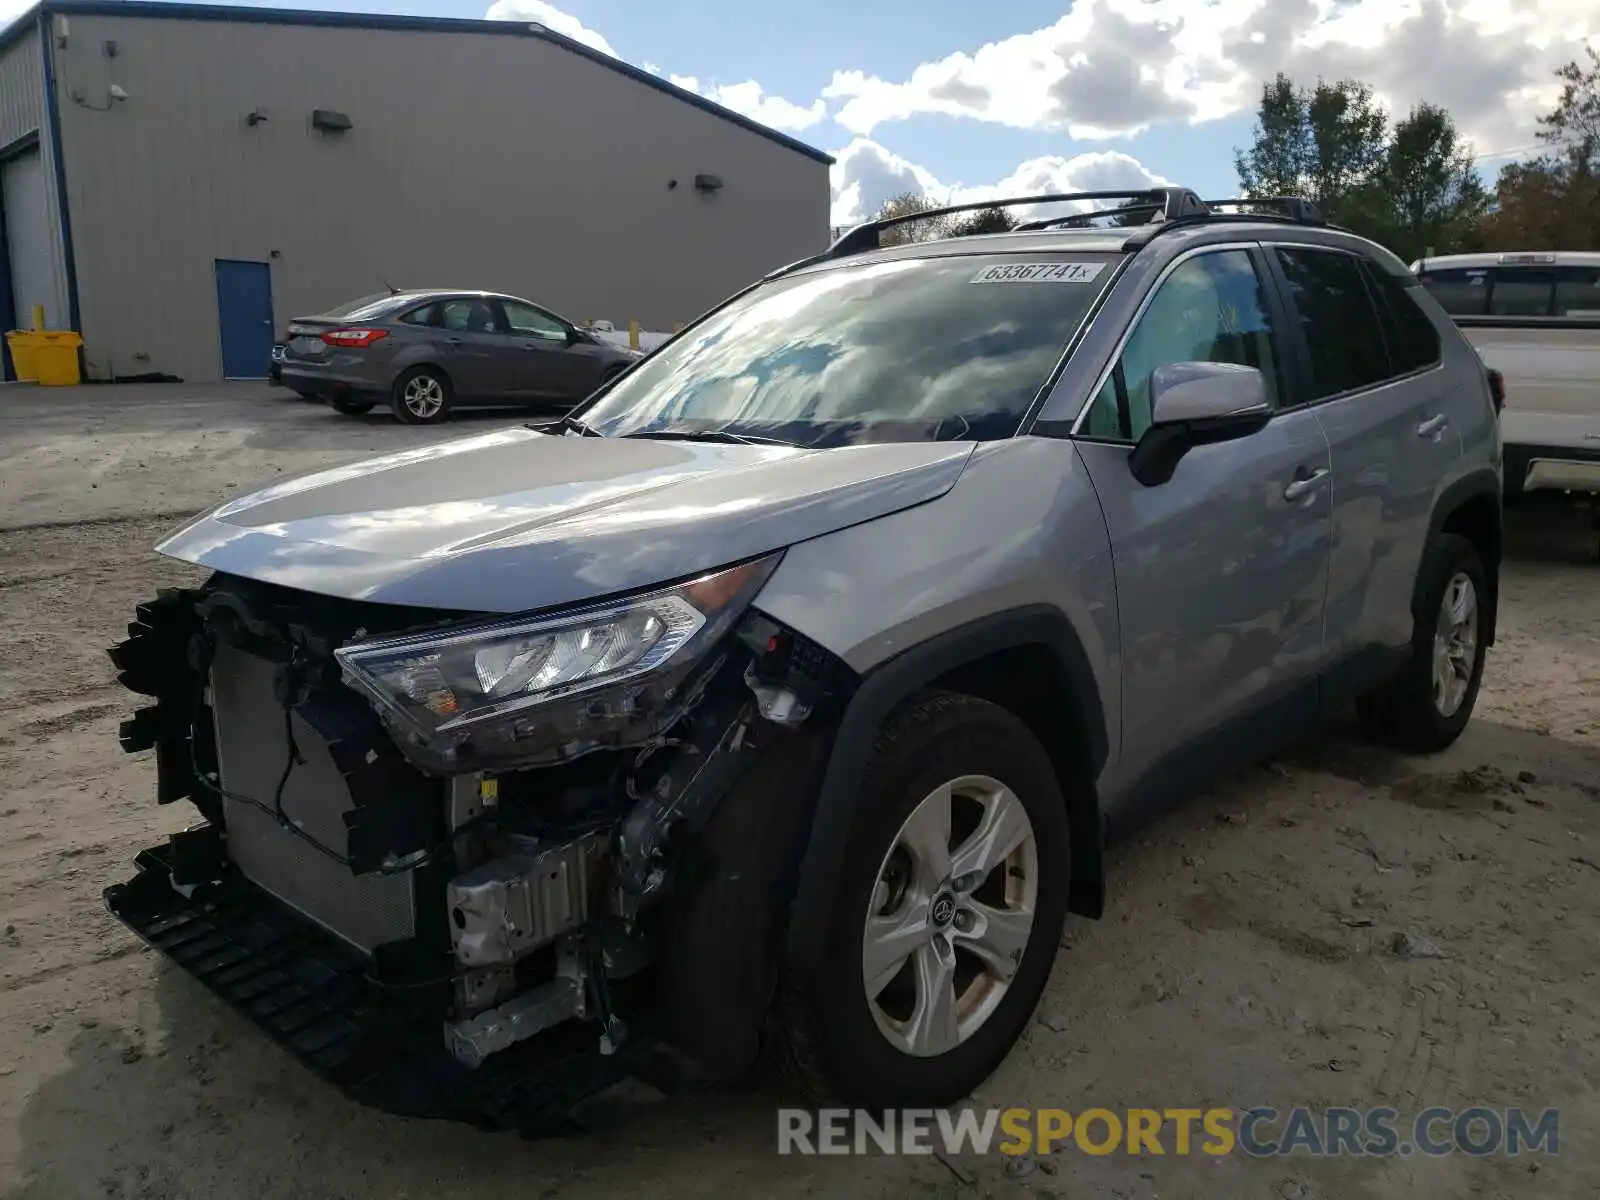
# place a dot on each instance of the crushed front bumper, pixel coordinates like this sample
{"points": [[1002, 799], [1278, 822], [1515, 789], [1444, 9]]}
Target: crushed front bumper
{"points": [[314, 996]]}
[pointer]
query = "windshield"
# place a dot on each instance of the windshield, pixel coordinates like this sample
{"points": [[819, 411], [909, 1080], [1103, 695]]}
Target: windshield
{"points": [[907, 350]]}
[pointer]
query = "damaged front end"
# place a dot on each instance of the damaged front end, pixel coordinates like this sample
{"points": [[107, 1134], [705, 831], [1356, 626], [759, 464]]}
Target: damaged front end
{"points": [[444, 857]]}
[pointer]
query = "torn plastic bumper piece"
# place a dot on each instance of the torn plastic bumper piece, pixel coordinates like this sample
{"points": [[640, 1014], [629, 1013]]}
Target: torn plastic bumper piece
{"points": [[313, 996]]}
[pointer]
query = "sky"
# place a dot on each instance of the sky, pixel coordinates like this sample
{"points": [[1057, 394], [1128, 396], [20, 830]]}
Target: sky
{"points": [[965, 100]]}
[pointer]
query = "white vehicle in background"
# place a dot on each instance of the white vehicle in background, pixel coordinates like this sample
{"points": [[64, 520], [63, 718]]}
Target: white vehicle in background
{"points": [[1535, 319]]}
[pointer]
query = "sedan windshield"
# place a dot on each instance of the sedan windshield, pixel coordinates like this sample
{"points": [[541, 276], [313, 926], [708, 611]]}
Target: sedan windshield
{"points": [[920, 349]]}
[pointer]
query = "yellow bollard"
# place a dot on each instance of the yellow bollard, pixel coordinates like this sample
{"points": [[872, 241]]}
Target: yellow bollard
{"points": [[38, 318], [633, 335]]}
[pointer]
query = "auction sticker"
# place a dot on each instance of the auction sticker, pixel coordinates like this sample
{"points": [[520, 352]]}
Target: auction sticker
{"points": [[1040, 272]]}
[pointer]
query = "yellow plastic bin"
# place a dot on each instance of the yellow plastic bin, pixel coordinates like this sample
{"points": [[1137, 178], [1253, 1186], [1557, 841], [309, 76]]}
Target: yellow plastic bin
{"points": [[56, 358], [24, 346]]}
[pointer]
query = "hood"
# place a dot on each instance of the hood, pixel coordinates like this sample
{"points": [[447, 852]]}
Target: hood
{"points": [[517, 520]]}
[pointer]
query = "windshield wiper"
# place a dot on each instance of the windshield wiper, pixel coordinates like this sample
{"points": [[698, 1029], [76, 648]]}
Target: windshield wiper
{"points": [[709, 435], [568, 422]]}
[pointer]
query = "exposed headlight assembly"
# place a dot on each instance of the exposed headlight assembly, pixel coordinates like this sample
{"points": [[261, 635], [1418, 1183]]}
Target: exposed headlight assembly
{"points": [[520, 691]]}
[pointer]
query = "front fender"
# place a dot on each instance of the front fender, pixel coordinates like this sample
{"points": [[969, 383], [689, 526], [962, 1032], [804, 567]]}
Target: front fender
{"points": [[887, 687]]}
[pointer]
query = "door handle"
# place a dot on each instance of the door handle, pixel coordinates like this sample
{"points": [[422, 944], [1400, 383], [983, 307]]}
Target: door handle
{"points": [[1433, 425], [1303, 484], [453, 341]]}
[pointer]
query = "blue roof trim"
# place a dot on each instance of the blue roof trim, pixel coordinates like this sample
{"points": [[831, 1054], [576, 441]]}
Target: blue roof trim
{"points": [[154, 9]]}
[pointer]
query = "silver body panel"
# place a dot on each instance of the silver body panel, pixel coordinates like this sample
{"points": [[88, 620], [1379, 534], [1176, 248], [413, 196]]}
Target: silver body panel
{"points": [[515, 520]]}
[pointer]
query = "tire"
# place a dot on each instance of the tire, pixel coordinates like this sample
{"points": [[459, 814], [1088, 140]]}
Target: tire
{"points": [[421, 396], [835, 1041], [1411, 712], [352, 406]]}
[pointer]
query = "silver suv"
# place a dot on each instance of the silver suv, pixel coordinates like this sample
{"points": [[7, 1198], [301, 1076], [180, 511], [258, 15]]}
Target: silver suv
{"points": [[787, 692]]}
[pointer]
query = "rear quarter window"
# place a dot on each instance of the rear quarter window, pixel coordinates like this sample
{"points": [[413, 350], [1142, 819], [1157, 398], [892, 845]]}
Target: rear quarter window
{"points": [[1578, 292], [1411, 339]]}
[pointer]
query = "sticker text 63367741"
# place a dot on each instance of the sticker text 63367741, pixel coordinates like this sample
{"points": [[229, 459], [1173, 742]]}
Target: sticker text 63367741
{"points": [[1040, 272]]}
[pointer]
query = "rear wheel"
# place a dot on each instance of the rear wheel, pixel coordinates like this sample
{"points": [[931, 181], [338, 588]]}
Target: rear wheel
{"points": [[421, 396], [946, 919], [352, 406], [1426, 705]]}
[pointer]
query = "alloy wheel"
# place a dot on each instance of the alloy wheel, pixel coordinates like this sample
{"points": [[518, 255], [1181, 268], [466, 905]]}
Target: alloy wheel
{"points": [[423, 396], [1455, 644], [950, 916]]}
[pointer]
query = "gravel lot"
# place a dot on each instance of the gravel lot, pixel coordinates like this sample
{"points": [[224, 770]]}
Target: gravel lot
{"points": [[1247, 958]]}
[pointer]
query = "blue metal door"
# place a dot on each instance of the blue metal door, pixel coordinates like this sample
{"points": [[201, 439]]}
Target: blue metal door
{"points": [[244, 313]]}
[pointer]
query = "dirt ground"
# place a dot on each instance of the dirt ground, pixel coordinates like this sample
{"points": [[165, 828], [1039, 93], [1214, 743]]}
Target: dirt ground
{"points": [[1247, 957]]}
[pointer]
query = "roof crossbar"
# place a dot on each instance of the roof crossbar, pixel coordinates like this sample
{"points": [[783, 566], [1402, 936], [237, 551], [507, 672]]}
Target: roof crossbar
{"points": [[1153, 211], [1296, 208], [1173, 202]]}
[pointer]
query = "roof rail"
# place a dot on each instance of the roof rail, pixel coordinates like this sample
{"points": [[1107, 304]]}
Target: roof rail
{"points": [[1296, 208], [1173, 202]]}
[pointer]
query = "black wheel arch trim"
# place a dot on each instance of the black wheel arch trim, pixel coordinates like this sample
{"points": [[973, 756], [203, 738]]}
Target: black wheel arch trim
{"points": [[883, 689], [1485, 483]]}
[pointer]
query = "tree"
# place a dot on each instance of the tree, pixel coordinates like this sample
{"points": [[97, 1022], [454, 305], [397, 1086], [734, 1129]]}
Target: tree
{"points": [[1345, 130], [1425, 196], [1411, 187], [1276, 162], [1322, 143], [984, 220], [909, 204], [1553, 202]]}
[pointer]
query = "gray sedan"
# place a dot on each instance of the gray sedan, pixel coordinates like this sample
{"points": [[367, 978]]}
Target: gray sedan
{"points": [[426, 352]]}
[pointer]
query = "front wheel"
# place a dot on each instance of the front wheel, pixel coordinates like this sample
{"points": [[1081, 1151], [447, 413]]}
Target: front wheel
{"points": [[1427, 704], [421, 396], [947, 916]]}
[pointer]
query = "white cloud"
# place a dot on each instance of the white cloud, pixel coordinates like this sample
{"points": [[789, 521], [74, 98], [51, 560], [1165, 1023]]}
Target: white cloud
{"points": [[747, 98], [552, 18], [1108, 68], [866, 174], [750, 100]]}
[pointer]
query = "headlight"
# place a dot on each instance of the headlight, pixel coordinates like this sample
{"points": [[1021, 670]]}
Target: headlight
{"points": [[517, 691]]}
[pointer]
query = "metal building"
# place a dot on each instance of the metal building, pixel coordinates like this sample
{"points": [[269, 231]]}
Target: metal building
{"points": [[181, 180]]}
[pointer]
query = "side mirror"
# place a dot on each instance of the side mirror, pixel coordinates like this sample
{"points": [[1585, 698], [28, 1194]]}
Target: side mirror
{"points": [[1196, 404], [577, 337]]}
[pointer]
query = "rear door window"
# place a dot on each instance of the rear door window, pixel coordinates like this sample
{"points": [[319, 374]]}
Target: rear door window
{"points": [[467, 315], [1337, 313], [1519, 292], [1460, 291], [428, 314], [1409, 335]]}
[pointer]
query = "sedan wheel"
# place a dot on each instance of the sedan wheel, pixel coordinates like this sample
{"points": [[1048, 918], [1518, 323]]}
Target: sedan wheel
{"points": [[421, 396]]}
